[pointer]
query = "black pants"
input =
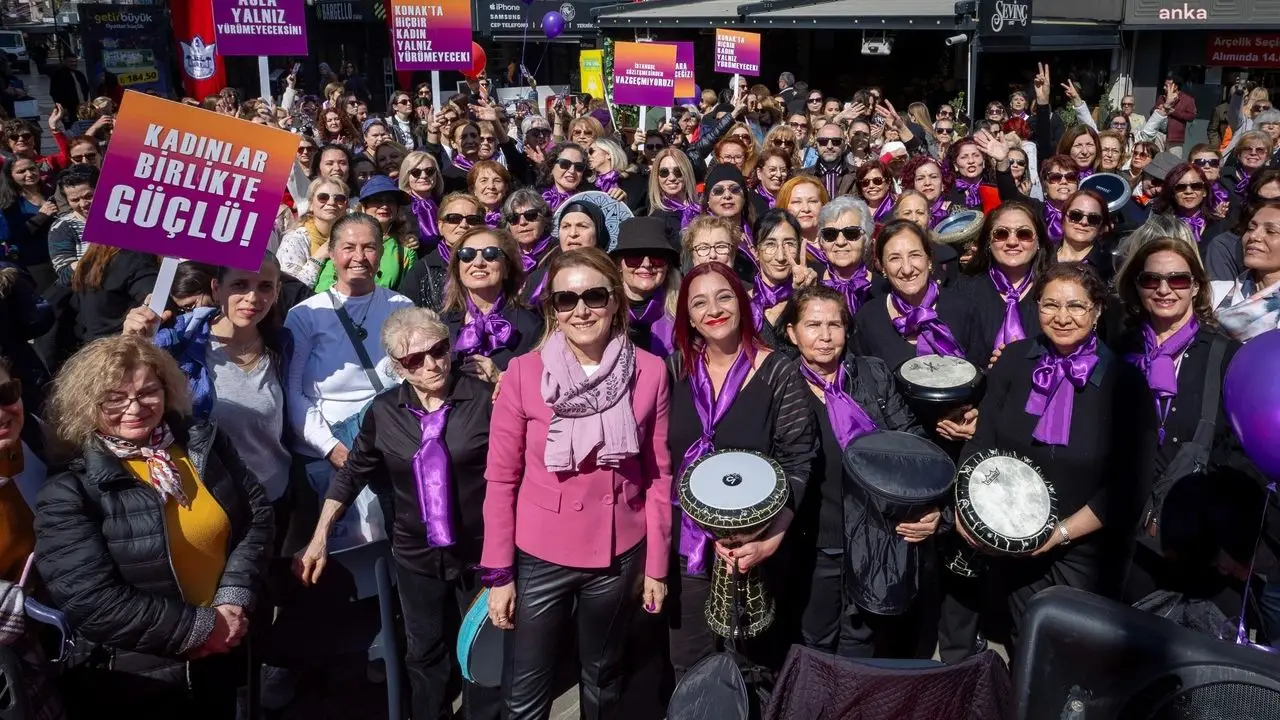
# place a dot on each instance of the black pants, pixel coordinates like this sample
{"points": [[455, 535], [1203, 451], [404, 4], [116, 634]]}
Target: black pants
{"points": [[830, 623], [961, 614], [97, 692], [546, 595], [433, 610]]}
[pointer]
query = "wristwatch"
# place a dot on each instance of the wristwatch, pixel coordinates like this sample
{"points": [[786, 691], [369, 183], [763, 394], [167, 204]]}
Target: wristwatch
{"points": [[1066, 536]]}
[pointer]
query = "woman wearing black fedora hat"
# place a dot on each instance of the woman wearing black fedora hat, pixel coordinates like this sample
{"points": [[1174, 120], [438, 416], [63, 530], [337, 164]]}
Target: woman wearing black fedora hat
{"points": [[650, 269]]}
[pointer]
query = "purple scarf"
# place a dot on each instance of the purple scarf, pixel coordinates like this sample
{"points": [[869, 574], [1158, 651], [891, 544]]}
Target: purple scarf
{"points": [[1220, 194], [431, 476], [970, 187], [487, 333], [529, 259], [1243, 176], [1011, 329], [769, 197], [591, 416], [461, 162], [555, 197], [816, 251], [937, 212], [1082, 173], [884, 209], [1053, 221], [1053, 388], [425, 210], [688, 211], [855, 289], [933, 337], [607, 181], [693, 539], [493, 218], [662, 330], [848, 419], [1195, 222], [766, 296], [1157, 362]]}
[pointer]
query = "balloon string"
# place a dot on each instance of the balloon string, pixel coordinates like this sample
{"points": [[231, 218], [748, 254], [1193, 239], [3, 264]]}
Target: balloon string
{"points": [[1242, 632], [544, 57], [524, 42]]}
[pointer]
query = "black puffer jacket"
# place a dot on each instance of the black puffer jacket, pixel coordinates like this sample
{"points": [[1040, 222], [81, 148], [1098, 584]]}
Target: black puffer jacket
{"points": [[101, 549]]}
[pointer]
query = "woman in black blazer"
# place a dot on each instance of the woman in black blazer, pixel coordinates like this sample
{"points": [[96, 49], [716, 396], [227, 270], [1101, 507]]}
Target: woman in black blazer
{"points": [[1187, 196]]}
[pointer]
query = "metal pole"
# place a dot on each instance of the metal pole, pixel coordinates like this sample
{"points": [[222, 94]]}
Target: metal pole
{"points": [[972, 85], [264, 81]]}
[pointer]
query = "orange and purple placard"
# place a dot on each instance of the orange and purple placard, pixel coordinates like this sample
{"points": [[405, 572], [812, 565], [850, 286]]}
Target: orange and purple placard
{"points": [[686, 88], [260, 27], [430, 34], [644, 74], [737, 52], [181, 181]]}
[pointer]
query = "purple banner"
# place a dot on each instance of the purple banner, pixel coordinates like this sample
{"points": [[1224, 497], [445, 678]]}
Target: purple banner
{"points": [[737, 52], [644, 74], [260, 27], [686, 88]]}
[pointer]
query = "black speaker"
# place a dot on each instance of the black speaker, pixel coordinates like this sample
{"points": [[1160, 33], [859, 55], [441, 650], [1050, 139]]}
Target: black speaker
{"points": [[1088, 658]]}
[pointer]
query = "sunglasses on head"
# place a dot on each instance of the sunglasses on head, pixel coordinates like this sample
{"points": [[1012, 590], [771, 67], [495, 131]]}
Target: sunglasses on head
{"points": [[876, 181], [459, 218], [490, 254], [337, 198], [1189, 187], [414, 361], [1057, 177], [665, 173], [1177, 280], [1024, 234], [1079, 216], [1207, 162], [566, 165], [830, 142], [10, 391], [528, 215], [567, 301], [830, 234], [422, 172], [637, 260]]}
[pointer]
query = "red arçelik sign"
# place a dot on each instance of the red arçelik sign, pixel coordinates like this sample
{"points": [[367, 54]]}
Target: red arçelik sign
{"points": [[1247, 50]]}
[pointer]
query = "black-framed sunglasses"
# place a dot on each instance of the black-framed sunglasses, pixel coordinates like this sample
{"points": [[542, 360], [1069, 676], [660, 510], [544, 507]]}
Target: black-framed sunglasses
{"points": [[420, 172], [1081, 217], [636, 260], [528, 216], [594, 298], [566, 165], [720, 190], [10, 392], [1177, 280], [1207, 162], [665, 173], [829, 142], [852, 233], [414, 361], [459, 218], [1189, 187], [491, 253]]}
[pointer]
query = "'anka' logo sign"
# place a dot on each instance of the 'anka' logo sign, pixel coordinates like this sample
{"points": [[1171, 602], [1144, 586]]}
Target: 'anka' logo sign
{"points": [[1186, 12], [197, 58]]}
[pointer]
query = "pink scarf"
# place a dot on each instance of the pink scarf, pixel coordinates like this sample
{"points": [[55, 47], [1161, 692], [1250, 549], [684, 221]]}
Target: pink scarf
{"points": [[590, 414]]}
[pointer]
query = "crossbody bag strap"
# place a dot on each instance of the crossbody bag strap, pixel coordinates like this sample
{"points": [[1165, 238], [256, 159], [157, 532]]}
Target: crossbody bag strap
{"points": [[363, 354], [1212, 395]]}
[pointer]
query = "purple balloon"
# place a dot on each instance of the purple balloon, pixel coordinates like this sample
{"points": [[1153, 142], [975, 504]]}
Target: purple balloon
{"points": [[552, 24], [1251, 400]]}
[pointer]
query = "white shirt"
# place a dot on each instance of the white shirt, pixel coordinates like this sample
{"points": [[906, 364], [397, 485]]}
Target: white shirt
{"points": [[326, 383]]}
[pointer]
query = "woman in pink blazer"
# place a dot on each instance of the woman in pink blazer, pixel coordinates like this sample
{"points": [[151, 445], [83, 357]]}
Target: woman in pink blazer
{"points": [[578, 506]]}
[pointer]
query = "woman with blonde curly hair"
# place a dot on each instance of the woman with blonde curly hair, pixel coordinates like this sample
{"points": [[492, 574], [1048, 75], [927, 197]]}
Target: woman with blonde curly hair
{"points": [[152, 541]]}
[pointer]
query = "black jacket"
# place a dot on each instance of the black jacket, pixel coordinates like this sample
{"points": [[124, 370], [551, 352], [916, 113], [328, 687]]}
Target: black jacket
{"points": [[102, 552], [126, 282], [69, 88], [526, 329], [424, 282]]}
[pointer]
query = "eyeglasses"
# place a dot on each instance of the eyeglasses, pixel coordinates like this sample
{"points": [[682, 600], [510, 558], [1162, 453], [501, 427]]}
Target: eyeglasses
{"points": [[119, 402], [419, 173], [1057, 177], [944, 130], [876, 181], [567, 301], [1195, 187], [830, 142], [1023, 234], [492, 253], [1207, 162], [704, 251], [459, 218], [1075, 310], [771, 247], [414, 361], [798, 126], [721, 190], [22, 136], [338, 198], [92, 156], [637, 260], [10, 392], [1176, 281], [528, 216], [830, 234], [665, 173], [1081, 217], [567, 165]]}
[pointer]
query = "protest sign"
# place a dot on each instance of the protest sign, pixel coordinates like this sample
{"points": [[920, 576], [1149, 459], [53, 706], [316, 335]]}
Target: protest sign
{"points": [[686, 88], [644, 74], [591, 72], [431, 34], [260, 27], [737, 52]]}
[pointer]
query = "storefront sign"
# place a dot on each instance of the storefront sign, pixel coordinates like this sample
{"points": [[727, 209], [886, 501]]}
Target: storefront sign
{"points": [[644, 74], [181, 181], [591, 72], [260, 27], [514, 17], [737, 52], [1004, 18], [431, 34], [128, 41], [686, 88], [341, 11], [1256, 50]]}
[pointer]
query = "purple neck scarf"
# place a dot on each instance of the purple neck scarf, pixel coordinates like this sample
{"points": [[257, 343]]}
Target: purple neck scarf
{"points": [[1011, 329], [1053, 388], [884, 209], [970, 187], [769, 197], [1053, 221], [555, 197], [425, 210], [487, 333], [688, 211], [1220, 194], [693, 539], [461, 162], [1082, 173], [855, 289], [766, 296], [493, 218], [1157, 362], [529, 259], [1243, 175], [607, 181], [653, 318], [431, 476], [1196, 223], [933, 337], [848, 419], [937, 212]]}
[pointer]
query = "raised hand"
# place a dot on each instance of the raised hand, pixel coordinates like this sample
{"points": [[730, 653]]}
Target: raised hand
{"points": [[992, 146], [1069, 87], [1042, 84]]}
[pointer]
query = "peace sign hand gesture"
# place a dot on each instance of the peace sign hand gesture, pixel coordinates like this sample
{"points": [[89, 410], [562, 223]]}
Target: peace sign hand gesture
{"points": [[801, 274], [1042, 84], [1069, 87]]}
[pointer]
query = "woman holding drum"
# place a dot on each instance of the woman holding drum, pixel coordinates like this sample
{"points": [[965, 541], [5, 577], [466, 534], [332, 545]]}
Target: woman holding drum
{"points": [[730, 392], [1066, 423]]}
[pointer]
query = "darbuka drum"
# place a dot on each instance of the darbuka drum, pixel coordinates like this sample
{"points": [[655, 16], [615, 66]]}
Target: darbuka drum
{"points": [[734, 494], [959, 228], [1114, 189], [480, 645], [939, 379], [1004, 503]]}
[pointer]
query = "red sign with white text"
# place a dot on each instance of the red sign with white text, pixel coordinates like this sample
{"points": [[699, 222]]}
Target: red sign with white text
{"points": [[1245, 50]]}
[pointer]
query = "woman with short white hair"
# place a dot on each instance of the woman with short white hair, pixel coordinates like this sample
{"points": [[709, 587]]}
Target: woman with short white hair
{"points": [[844, 235]]}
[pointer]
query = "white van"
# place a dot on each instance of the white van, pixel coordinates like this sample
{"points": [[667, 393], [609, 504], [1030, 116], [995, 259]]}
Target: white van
{"points": [[14, 46]]}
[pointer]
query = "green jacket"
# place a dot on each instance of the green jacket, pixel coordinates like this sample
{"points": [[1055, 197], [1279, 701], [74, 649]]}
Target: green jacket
{"points": [[396, 260]]}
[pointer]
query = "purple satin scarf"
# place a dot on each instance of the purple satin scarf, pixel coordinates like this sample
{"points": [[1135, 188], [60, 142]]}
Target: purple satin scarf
{"points": [[848, 419], [830, 176], [972, 198], [662, 330], [933, 337], [816, 251], [884, 209], [769, 197], [488, 332], [431, 476], [555, 197], [766, 296], [1220, 194], [1053, 389], [493, 218], [855, 289], [1011, 329], [1196, 223], [425, 211], [529, 259], [1243, 176], [693, 539], [607, 181], [1157, 362], [1082, 173], [937, 212], [461, 162], [688, 211], [1053, 221]]}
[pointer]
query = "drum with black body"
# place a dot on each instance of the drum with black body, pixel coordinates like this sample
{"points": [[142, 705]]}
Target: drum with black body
{"points": [[1114, 189], [1005, 504], [734, 494], [480, 645], [889, 477], [943, 381]]}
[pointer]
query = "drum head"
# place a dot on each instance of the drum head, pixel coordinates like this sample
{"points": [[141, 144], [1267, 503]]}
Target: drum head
{"points": [[957, 224], [1005, 503], [939, 378], [733, 490], [481, 645], [1113, 188]]}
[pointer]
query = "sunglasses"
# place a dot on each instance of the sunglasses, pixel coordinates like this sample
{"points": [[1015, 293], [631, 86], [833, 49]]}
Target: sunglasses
{"points": [[798, 126], [488, 139], [1081, 217], [815, 101], [404, 101], [566, 165], [720, 190], [665, 173], [1126, 104], [1023, 234], [1057, 177], [337, 198], [567, 301], [830, 234], [1177, 281], [528, 215], [741, 137], [784, 143], [635, 261], [1207, 162], [459, 218], [22, 136], [1017, 163], [945, 130], [490, 254], [92, 156], [1141, 153], [830, 142], [422, 172], [1189, 187], [654, 146], [414, 361], [876, 181], [10, 392]]}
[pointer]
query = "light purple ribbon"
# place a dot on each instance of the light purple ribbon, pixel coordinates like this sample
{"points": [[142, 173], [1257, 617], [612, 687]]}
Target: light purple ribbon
{"points": [[555, 197], [1053, 221], [848, 419], [1082, 173], [493, 218], [766, 296], [607, 181], [425, 210], [488, 332], [1011, 329], [688, 211], [529, 259], [694, 540], [431, 475], [1156, 361], [653, 318], [933, 337], [1053, 388], [937, 212], [1220, 194], [816, 251], [769, 197], [970, 187], [855, 289], [1196, 223]]}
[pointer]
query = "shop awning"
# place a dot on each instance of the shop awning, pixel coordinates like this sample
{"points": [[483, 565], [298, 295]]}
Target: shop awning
{"points": [[1060, 35], [671, 13], [851, 14]]}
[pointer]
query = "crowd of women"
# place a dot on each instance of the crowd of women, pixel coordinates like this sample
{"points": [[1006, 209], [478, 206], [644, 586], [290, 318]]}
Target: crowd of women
{"points": [[516, 333]]}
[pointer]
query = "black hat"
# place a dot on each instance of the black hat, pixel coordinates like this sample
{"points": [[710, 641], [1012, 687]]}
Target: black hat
{"points": [[1161, 165], [643, 235], [721, 172]]}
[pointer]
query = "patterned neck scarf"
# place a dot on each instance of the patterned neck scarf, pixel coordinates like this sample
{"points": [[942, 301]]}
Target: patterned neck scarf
{"points": [[162, 472], [1248, 311]]}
